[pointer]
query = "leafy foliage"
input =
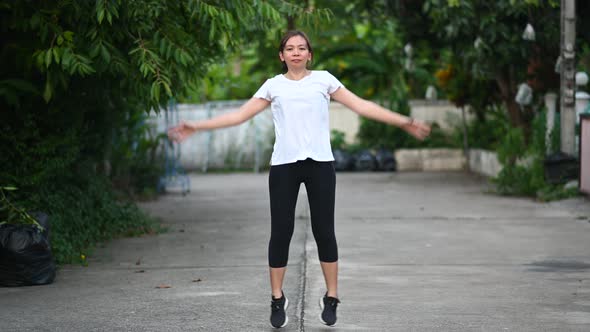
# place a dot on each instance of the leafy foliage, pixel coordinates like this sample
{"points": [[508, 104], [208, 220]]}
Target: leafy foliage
{"points": [[12, 214], [84, 211], [77, 78], [487, 132], [523, 168], [487, 45], [373, 134], [337, 139]]}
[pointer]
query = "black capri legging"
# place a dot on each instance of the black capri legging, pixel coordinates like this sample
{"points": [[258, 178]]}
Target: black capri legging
{"points": [[320, 183]]}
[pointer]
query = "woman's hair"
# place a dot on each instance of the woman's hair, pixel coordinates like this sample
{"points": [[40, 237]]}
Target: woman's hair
{"points": [[287, 36]]}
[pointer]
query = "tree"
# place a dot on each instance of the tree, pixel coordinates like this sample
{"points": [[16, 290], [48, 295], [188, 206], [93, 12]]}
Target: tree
{"points": [[73, 71], [76, 81], [487, 38]]}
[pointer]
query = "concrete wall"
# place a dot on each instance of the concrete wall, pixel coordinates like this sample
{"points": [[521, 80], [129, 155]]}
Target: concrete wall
{"points": [[250, 144], [344, 120], [238, 147], [484, 162], [430, 159], [441, 112], [479, 161], [234, 147]]}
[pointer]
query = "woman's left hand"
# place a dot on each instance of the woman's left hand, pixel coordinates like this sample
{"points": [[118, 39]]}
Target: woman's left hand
{"points": [[416, 128]]}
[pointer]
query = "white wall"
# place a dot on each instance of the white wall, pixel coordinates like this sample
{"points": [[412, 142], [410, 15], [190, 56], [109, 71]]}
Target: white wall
{"points": [[238, 147], [233, 147], [344, 120], [442, 112]]}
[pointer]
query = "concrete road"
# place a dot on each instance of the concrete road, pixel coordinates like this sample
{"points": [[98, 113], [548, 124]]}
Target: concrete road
{"points": [[418, 252]]}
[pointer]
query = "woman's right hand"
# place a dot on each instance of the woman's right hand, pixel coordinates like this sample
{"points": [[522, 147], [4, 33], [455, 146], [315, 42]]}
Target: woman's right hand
{"points": [[182, 131]]}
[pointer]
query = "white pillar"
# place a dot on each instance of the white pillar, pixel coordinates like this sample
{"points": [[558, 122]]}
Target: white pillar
{"points": [[550, 104], [568, 53]]}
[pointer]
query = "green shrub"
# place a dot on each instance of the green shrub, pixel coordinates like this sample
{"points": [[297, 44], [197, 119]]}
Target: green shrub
{"points": [[83, 212], [484, 133], [480, 134], [11, 213], [337, 139], [523, 171], [373, 134], [32, 152]]}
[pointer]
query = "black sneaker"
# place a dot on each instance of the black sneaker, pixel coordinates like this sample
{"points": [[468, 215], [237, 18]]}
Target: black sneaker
{"points": [[278, 316], [328, 305]]}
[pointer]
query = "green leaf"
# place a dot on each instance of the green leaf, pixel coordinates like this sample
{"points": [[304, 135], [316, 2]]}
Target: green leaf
{"points": [[212, 30], [48, 58], [168, 51], [183, 58], [68, 35], [100, 16], [56, 54], [66, 58], [40, 57], [84, 69], [105, 54], [155, 91], [95, 50], [167, 88], [48, 92], [9, 188]]}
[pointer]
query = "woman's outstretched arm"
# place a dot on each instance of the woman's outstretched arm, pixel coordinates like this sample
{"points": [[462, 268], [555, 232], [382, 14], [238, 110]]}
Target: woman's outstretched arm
{"points": [[186, 128], [373, 111]]}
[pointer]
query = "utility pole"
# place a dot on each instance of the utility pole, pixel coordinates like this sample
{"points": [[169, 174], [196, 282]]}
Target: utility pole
{"points": [[568, 71]]}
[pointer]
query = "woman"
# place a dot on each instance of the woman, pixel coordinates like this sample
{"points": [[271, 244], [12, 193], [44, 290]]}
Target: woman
{"points": [[299, 101]]}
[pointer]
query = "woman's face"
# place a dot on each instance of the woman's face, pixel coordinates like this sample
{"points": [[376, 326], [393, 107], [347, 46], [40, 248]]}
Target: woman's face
{"points": [[295, 53]]}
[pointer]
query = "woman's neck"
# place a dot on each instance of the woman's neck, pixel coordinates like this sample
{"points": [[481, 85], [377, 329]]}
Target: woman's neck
{"points": [[296, 75]]}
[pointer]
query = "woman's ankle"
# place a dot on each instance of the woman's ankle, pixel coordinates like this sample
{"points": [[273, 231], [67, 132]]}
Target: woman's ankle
{"points": [[278, 295]]}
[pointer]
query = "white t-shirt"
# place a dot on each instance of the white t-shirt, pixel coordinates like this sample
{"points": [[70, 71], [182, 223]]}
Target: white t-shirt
{"points": [[300, 115]]}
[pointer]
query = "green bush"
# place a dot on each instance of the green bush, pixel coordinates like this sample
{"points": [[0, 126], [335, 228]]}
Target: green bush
{"points": [[484, 133], [13, 214], [481, 134], [337, 139], [83, 212], [373, 134], [32, 152], [523, 171]]}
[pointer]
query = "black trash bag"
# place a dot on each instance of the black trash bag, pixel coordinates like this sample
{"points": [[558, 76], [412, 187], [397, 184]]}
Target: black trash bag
{"points": [[385, 160], [343, 161], [561, 167], [25, 254], [365, 161]]}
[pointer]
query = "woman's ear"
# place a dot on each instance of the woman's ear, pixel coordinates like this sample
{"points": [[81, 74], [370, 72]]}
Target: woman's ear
{"points": [[281, 57]]}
